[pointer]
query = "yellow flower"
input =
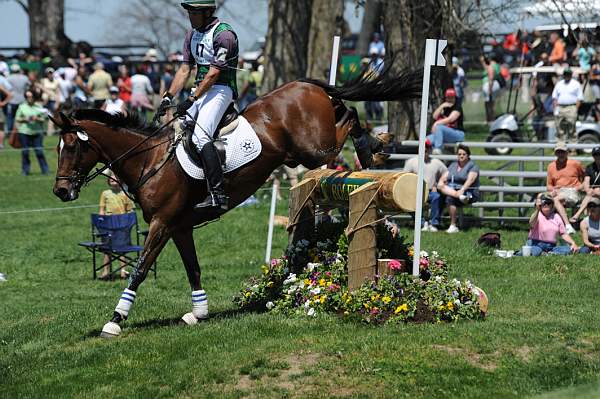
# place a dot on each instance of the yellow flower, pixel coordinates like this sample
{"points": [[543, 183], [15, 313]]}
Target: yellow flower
{"points": [[367, 305], [322, 282], [450, 305], [247, 294], [323, 298], [375, 297], [306, 281], [269, 284], [387, 299], [441, 307], [401, 308], [265, 269]]}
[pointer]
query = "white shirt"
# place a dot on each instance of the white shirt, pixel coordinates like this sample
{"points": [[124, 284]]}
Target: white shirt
{"points": [[114, 107], [567, 93], [434, 169], [140, 84]]}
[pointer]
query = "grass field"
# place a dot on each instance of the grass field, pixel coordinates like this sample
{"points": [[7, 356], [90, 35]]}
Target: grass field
{"points": [[541, 338]]}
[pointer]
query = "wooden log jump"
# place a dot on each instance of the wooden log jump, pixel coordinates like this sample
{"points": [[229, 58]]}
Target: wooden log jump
{"points": [[366, 194]]}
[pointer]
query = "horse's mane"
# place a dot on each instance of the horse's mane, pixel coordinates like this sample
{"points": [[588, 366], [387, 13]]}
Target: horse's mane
{"points": [[132, 120]]}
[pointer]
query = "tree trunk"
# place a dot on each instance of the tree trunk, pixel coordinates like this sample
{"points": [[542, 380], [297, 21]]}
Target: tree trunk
{"points": [[287, 42], [46, 23], [371, 23], [327, 22]]}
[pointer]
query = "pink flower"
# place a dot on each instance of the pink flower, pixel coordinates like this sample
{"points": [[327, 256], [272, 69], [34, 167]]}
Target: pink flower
{"points": [[328, 274], [395, 265], [424, 262], [274, 262]]}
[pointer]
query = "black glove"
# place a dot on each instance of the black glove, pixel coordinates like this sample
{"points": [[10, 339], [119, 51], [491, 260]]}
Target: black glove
{"points": [[183, 106], [165, 103]]}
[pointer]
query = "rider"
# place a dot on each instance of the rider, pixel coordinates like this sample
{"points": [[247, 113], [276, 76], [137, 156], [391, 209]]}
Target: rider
{"points": [[213, 46]]}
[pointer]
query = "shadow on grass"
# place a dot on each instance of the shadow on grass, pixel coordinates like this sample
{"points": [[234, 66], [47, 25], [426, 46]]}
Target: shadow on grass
{"points": [[170, 322]]}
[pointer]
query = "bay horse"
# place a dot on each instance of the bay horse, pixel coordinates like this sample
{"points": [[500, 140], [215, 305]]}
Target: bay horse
{"points": [[302, 122]]}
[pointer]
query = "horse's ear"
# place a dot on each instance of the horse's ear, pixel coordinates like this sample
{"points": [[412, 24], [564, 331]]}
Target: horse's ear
{"points": [[66, 121], [55, 121]]}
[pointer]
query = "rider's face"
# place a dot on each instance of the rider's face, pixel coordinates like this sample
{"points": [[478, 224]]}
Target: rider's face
{"points": [[200, 18]]}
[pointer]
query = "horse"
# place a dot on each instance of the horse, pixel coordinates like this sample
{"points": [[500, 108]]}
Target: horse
{"points": [[303, 122]]}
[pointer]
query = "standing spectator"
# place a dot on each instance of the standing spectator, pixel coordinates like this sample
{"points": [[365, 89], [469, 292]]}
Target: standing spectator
{"points": [[19, 84], [5, 97], [50, 89], [98, 84], [5, 94], [251, 88], [376, 45], [114, 202], [545, 226], [80, 96], [434, 170], [374, 109], [585, 54], [559, 53], [566, 97], [590, 228], [459, 81], [595, 76], [491, 85], [3, 66], [31, 119], [448, 125], [564, 183], [65, 89], [591, 182], [124, 84], [114, 105], [141, 88], [460, 184]]}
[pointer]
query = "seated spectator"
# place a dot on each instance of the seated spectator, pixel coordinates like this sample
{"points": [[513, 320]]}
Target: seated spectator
{"points": [[460, 184], [564, 183], [114, 105], [559, 53], [590, 228], [448, 125], [545, 226], [434, 169], [591, 182]]}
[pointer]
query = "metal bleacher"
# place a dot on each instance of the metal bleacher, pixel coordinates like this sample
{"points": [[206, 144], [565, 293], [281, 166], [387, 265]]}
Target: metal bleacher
{"points": [[508, 176]]}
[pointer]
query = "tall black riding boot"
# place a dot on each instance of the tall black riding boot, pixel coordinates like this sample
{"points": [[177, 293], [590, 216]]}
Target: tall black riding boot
{"points": [[213, 172]]}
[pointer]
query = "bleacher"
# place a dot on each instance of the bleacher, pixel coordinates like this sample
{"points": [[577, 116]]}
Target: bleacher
{"points": [[509, 183]]}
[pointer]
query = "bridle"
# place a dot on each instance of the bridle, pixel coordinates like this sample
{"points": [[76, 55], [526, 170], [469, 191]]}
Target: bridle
{"points": [[79, 178]]}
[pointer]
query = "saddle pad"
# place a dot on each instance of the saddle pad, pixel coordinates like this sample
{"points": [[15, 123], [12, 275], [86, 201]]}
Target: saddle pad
{"points": [[241, 146]]}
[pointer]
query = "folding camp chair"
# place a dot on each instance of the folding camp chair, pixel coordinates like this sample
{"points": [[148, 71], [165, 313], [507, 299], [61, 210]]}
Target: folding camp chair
{"points": [[111, 235]]}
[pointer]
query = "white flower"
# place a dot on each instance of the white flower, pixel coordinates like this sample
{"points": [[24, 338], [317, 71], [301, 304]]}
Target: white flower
{"points": [[301, 284], [455, 294], [456, 283], [434, 254], [311, 312], [424, 254], [290, 279], [270, 305], [438, 279], [254, 287], [456, 302], [311, 266], [315, 291], [292, 289], [307, 304]]}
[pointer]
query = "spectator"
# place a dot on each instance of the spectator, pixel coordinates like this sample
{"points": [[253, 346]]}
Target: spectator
{"points": [[591, 182], [251, 88], [114, 202], [19, 83], [5, 96], [595, 76], [81, 93], [448, 125], [166, 78], [376, 45], [124, 84], [65, 89], [545, 226], [566, 97], [98, 84], [141, 88], [590, 228], [50, 90], [114, 105], [585, 54], [459, 81], [434, 169], [374, 109], [564, 183], [491, 85], [31, 118], [460, 184], [559, 53]]}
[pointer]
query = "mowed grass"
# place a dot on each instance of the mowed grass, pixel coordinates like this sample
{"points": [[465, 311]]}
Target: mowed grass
{"points": [[541, 337]]}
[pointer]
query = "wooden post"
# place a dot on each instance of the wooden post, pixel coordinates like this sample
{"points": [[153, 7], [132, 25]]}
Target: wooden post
{"points": [[362, 237], [301, 223]]}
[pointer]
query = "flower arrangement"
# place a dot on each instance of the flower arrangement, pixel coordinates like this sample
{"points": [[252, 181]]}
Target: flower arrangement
{"points": [[321, 288]]}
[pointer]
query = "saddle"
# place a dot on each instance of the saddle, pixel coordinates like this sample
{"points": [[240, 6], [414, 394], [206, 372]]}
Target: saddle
{"points": [[229, 122]]}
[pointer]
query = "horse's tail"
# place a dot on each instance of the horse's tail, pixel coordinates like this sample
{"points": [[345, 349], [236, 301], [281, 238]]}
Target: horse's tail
{"points": [[369, 86]]}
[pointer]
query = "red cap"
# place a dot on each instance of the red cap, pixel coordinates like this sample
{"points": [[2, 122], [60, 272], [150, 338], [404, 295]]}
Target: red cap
{"points": [[450, 93], [428, 143]]}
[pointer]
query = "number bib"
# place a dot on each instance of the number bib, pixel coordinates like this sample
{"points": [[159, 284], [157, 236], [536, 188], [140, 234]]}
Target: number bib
{"points": [[202, 46]]}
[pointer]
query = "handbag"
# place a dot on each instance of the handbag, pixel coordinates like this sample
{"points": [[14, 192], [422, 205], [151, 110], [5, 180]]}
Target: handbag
{"points": [[13, 139]]}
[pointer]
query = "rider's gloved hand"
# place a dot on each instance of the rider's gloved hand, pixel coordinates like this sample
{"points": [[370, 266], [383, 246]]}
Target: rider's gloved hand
{"points": [[165, 103], [183, 106]]}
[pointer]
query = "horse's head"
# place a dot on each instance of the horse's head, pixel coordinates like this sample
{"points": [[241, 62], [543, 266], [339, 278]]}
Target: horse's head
{"points": [[76, 158]]}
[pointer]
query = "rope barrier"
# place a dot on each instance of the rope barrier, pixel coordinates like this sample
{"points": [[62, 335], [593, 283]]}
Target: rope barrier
{"points": [[48, 209]]}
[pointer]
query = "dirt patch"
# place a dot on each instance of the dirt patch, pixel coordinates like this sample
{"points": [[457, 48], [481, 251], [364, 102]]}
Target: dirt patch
{"points": [[524, 353], [585, 348], [473, 358]]}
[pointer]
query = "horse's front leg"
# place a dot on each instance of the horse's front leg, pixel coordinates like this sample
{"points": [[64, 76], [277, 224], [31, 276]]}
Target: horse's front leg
{"points": [[184, 240], [158, 235]]}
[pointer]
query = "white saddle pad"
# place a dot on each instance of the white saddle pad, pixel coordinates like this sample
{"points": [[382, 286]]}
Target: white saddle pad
{"points": [[241, 146]]}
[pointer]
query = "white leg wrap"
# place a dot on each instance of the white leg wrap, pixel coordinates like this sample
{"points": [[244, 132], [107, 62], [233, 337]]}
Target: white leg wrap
{"points": [[199, 304], [125, 303]]}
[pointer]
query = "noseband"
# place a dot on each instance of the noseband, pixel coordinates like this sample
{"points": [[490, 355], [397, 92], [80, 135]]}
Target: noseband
{"points": [[79, 178]]}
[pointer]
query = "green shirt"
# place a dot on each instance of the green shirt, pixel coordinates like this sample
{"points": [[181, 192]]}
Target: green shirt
{"points": [[24, 116]]}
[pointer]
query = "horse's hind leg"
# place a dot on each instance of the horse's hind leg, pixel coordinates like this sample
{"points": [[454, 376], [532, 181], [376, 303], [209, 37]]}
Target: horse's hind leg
{"points": [[184, 240], [158, 235]]}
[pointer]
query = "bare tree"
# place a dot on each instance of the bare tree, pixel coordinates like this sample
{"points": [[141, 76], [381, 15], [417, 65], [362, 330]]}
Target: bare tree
{"points": [[287, 41], [327, 21], [46, 23], [371, 23]]}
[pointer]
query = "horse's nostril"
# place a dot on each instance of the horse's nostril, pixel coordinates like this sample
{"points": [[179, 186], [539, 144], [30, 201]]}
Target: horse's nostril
{"points": [[61, 192]]}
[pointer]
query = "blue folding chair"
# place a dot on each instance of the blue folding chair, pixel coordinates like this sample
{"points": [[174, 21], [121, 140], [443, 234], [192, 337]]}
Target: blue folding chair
{"points": [[111, 235]]}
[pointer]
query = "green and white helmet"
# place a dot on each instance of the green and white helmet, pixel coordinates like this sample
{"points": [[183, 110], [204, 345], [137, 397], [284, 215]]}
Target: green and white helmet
{"points": [[196, 4]]}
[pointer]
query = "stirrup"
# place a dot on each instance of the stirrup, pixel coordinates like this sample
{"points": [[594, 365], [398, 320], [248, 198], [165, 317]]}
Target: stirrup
{"points": [[213, 201]]}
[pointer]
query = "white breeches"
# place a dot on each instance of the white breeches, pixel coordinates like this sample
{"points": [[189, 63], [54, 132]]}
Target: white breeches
{"points": [[208, 111]]}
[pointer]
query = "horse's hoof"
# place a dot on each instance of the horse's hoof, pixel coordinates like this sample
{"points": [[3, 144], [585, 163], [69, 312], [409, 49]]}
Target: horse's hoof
{"points": [[110, 330], [189, 319]]}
